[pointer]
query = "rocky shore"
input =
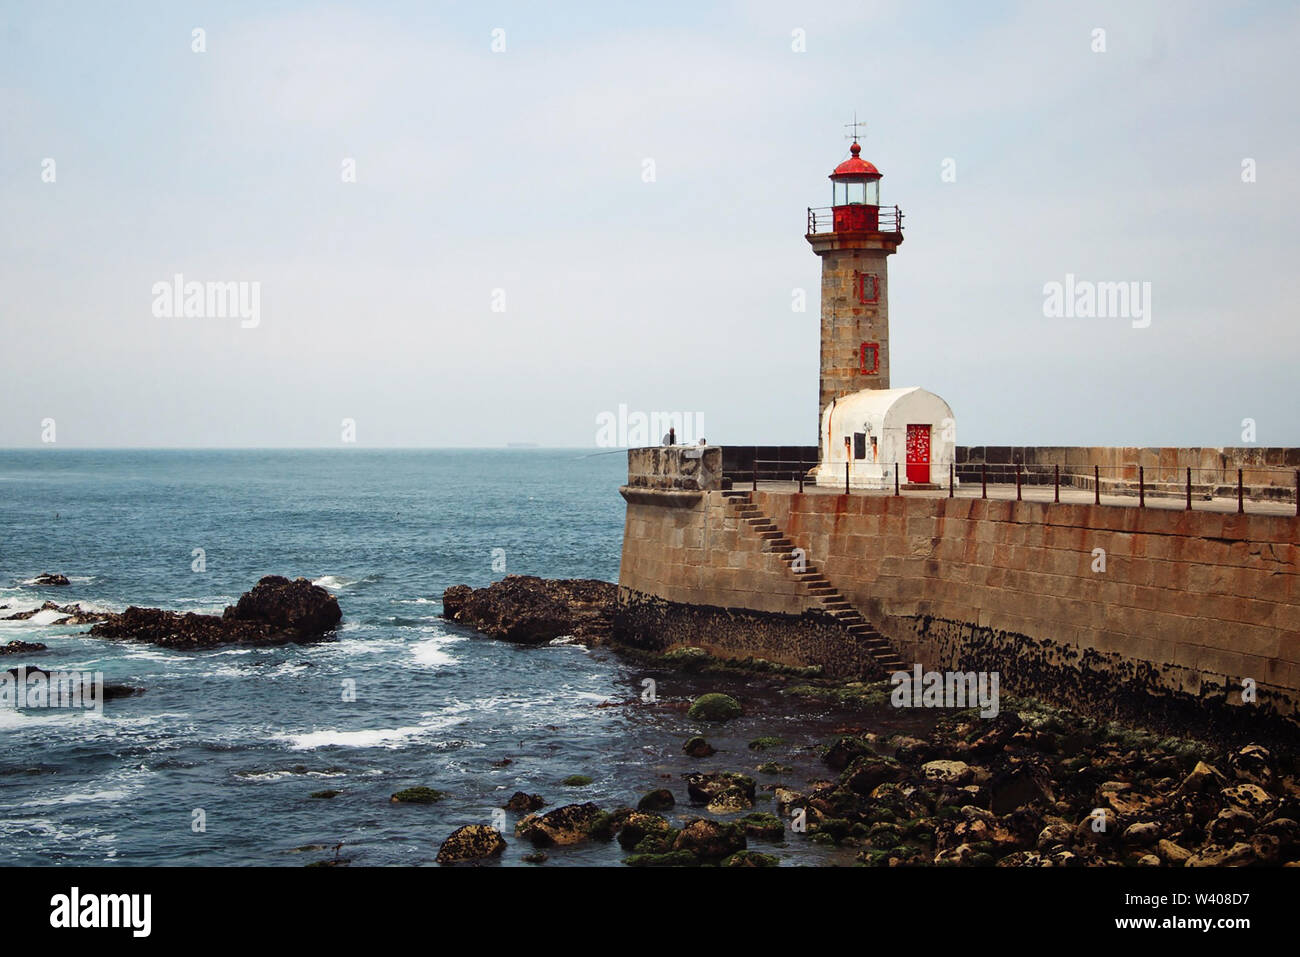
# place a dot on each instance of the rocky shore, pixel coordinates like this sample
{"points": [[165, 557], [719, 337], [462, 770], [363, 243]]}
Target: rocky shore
{"points": [[72, 614], [1032, 788], [1042, 787], [533, 611], [22, 648], [1036, 786], [275, 611]]}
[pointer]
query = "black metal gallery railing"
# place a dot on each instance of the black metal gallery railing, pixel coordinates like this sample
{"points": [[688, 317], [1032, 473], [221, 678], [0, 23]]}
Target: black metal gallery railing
{"points": [[854, 218]]}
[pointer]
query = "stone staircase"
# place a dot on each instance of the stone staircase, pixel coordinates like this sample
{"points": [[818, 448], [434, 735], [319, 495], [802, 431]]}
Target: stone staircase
{"points": [[816, 584]]}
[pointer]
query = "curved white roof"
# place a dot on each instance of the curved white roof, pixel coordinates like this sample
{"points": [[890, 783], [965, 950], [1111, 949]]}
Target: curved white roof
{"points": [[885, 408]]}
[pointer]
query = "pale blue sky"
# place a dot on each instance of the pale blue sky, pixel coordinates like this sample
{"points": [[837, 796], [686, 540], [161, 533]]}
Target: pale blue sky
{"points": [[522, 171]]}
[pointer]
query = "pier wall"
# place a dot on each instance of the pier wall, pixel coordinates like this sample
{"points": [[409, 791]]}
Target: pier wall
{"points": [[1099, 607]]}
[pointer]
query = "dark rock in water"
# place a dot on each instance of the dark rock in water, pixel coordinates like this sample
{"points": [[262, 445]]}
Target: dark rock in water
{"points": [[533, 611], [697, 747], [708, 788], [522, 803], [289, 607], [730, 800], [841, 754], [418, 795], [276, 611], [710, 840], [767, 827], [72, 614], [714, 707], [171, 630], [751, 859], [46, 579], [657, 800], [868, 771], [21, 647], [565, 825], [646, 833], [670, 859], [471, 843], [114, 690], [111, 690], [79, 616]]}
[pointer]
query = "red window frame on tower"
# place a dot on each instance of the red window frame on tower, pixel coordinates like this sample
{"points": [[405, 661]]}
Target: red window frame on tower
{"points": [[869, 358], [868, 287]]}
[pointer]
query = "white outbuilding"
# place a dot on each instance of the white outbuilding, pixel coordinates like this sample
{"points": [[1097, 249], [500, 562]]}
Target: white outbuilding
{"points": [[879, 431]]}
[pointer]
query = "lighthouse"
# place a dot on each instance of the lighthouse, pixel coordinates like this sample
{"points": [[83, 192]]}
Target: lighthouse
{"points": [[870, 434], [854, 237]]}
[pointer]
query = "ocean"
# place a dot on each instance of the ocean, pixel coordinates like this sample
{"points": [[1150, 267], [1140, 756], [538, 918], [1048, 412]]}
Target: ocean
{"points": [[215, 763]]}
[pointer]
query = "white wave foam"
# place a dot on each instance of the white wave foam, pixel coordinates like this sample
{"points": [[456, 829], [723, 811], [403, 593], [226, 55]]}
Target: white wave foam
{"points": [[376, 738], [432, 653], [370, 738], [287, 668], [90, 797], [334, 582], [101, 724], [117, 786], [280, 775], [43, 619], [150, 653], [368, 645], [568, 641], [13, 608], [48, 617], [230, 671], [54, 832]]}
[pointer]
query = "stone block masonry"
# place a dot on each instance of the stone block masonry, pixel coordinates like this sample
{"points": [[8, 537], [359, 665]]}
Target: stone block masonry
{"points": [[1114, 610], [696, 573]]}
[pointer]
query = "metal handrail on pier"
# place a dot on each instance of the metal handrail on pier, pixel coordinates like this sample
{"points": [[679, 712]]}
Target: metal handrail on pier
{"points": [[1132, 486]]}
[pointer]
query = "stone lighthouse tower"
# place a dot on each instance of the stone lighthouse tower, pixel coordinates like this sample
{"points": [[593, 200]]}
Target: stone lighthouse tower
{"points": [[854, 238]]}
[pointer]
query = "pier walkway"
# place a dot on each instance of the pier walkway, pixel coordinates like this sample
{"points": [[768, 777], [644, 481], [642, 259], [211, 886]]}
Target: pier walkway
{"points": [[1046, 494]]}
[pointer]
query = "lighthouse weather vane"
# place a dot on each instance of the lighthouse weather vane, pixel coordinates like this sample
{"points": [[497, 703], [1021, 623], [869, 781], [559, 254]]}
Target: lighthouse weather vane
{"points": [[854, 126]]}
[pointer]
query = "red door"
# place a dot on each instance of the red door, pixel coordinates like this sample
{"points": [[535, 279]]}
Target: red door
{"points": [[918, 454]]}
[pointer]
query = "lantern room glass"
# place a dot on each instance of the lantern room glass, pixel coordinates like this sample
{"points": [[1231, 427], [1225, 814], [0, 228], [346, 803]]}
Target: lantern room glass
{"points": [[857, 192]]}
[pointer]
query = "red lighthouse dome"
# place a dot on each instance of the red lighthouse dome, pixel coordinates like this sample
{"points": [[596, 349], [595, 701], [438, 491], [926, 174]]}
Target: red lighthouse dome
{"points": [[855, 181], [855, 165]]}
